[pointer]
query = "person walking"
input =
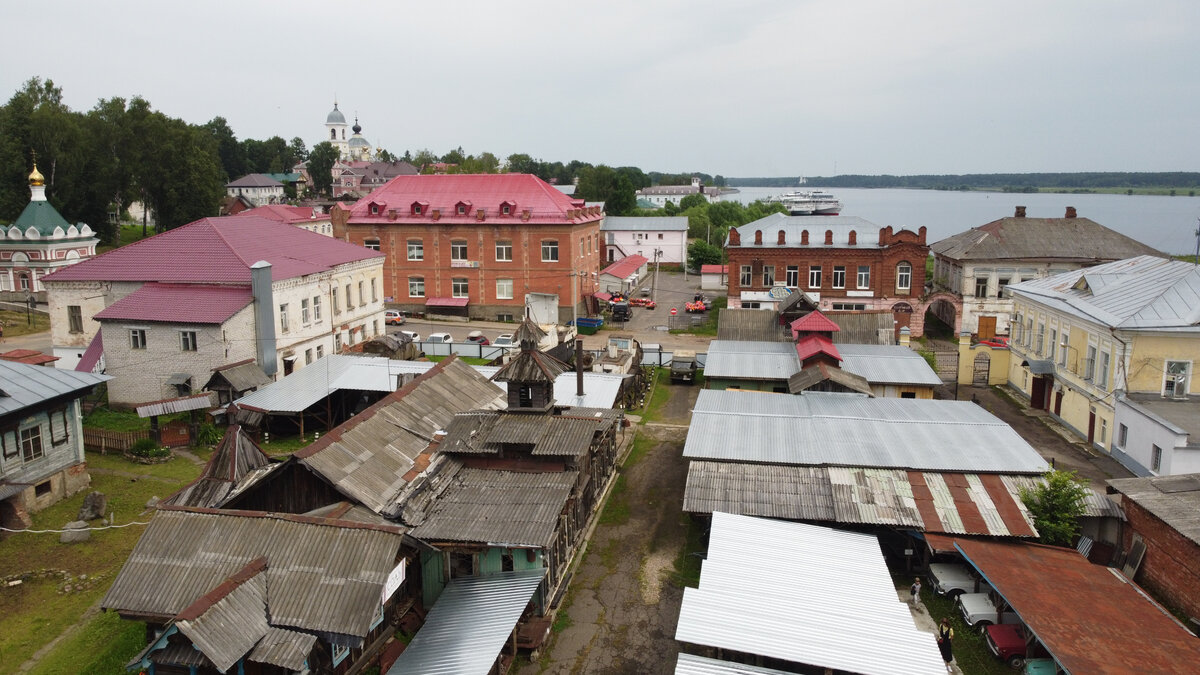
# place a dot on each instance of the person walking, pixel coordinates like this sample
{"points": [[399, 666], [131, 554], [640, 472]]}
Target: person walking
{"points": [[914, 592], [945, 638]]}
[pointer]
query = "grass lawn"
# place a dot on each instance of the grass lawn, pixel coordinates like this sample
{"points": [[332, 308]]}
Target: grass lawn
{"points": [[128, 235], [17, 322], [469, 360], [659, 393], [35, 612], [970, 649]]}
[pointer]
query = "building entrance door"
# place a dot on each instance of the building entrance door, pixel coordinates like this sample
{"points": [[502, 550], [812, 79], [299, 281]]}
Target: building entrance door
{"points": [[987, 327]]}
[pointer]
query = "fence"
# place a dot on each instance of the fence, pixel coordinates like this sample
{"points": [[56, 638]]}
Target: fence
{"points": [[103, 440], [470, 349], [664, 359]]}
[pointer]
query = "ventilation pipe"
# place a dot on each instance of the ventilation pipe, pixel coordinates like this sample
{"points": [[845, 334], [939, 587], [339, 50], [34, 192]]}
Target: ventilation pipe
{"points": [[264, 316], [579, 367]]}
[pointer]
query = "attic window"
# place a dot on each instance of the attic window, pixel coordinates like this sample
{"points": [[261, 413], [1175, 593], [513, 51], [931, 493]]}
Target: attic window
{"points": [[416, 208], [462, 210], [505, 209], [374, 209]]}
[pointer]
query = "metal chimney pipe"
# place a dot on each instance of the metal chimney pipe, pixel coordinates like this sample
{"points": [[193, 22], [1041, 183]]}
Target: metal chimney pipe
{"points": [[579, 366], [264, 316]]}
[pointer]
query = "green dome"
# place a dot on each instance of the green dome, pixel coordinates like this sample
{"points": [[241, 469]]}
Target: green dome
{"points": [[41, 216]]}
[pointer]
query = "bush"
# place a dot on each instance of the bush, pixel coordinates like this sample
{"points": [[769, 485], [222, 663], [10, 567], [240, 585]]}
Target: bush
{"points": [[147, 448], [208, 435]]}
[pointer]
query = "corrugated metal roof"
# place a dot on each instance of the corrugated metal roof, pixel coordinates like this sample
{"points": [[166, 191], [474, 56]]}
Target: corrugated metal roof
{"points": [[469, 625], [235, 457], [644, 224], [240, 376], [179, 303], [230, 627], [200, 401], [843, 614], [851, 430], [1175, 500], [887, 364], [1089, 617], [1139, 293], [322, 575], [284, 648], [689, 664], [878, 364], [625, 267], [497, 507], [1063, 239], [867, 233], [25, 385], [751, 325], [369, 457], [819, 373]]}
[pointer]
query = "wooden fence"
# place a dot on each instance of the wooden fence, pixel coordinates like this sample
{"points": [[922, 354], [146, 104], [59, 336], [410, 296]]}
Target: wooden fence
{"points": [[103, 440]]}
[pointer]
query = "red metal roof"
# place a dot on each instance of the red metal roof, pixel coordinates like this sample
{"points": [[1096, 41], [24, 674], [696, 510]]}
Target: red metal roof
{"points": [[286, 214], [487, 192], [30, 356], [91, 355], [714, 269], [625, 266], [814, 322], [179, 303], [218, 250], [811, 345], [446, 302], [1090, 618]]}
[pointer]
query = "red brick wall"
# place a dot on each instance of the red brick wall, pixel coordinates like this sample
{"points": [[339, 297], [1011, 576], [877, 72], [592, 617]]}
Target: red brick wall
{"points": [[1171, 566]]}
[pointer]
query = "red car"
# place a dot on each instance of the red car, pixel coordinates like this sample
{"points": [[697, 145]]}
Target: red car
{"points": [[995, 341], [1010, 644]]}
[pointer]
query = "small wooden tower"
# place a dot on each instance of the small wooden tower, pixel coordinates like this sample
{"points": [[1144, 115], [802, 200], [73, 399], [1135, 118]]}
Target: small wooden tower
{"points": [[530, 374]]}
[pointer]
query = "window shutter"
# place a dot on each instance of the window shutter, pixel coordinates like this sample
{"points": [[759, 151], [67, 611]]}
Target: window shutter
{"points": [[58, 426]]}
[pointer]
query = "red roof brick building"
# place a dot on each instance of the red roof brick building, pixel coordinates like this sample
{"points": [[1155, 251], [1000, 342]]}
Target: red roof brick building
{"points": [[499, 242]]}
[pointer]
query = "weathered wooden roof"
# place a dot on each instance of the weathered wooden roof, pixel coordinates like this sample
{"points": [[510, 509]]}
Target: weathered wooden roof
{"points": [[240, 376], [322, 575], [235, 457], [530, 365], [228, 621], [821, 372], [546, 435]]}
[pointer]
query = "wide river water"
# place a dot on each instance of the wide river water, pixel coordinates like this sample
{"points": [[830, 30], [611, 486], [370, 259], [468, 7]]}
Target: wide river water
{"points": [[1166, 223]]}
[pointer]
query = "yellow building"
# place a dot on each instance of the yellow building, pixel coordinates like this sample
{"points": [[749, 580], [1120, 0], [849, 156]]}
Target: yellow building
{"points": [[1081, 338]]}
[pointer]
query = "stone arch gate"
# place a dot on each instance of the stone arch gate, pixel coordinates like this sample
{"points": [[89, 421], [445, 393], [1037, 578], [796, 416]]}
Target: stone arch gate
{"points": [[945, 306]]}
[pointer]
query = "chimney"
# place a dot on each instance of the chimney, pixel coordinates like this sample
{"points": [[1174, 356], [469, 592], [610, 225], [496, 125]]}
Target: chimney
{"points": [[829, 237], [853, 238], [804, 237], [264, 316], [1070, 212], [1020, 212], [735, 239], [782, 239], [758, 237], [579, 367]]}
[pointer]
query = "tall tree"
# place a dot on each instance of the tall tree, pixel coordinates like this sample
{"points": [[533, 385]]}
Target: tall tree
{"points": [[1056, 505], [621, 200], [299, 152], [232, 154], [320, 167], [521, 163]]}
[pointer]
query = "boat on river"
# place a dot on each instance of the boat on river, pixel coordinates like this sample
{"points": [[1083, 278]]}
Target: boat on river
{"points": [[810, 203]]}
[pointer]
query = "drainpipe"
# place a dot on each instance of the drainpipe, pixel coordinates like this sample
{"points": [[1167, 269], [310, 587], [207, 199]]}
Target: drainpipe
{"points": [[264, 316]]}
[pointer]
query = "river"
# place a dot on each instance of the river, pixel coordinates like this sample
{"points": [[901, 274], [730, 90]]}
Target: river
{"points": [[1166, 223]]}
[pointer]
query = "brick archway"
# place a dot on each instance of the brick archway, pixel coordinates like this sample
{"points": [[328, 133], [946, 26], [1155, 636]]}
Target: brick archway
{"points": [[945, 306]]}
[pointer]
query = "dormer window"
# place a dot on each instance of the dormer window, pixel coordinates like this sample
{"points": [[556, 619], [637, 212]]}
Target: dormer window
{"points": [[419, 208], [507, 208], [374, 209], [462, 210]]}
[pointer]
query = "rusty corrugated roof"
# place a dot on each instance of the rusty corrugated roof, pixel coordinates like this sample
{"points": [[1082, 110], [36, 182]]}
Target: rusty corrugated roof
{"points": [[1089, 617]]}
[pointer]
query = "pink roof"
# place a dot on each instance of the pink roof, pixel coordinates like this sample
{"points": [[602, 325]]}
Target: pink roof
{"points": [[218, 250], [91, 355], [30, 356], [625, 266], [285, 214], [714, 269], [179, 303], [811, 345], [814, 322], [545, 203]]}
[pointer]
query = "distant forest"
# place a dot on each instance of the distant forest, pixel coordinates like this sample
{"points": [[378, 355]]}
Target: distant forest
{"points": [[1009, 182]]}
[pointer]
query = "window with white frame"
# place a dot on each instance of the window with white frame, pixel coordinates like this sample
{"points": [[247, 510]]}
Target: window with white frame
{"points": [[337, 309], [981, 287], [903, 276], [839, 276], [374, 290], [458, 287], [1102, 373], [768, 275], [814, 276], [1089, 364], [864, 276], [75, 318], [1103, 431], [187, 340], [744, 278], [137, 338], [349, 301], [362, 296], [1053, 344], [504, 251], [372, 244], [31, 443], [304, 316], [793, 276], [458, 250], [1064, 344], [1040, 341], [504, 289], [1029, 332], [416, 249], [1122, 435], [550, 250], [320, 351], [307, 356], [1177, 375], [316, 305], [416, 287], [1155, 458], [283, 318]]}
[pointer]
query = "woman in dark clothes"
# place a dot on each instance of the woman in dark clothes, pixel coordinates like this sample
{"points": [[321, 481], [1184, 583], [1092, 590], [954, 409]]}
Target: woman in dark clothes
{"points": [[945, 638]]}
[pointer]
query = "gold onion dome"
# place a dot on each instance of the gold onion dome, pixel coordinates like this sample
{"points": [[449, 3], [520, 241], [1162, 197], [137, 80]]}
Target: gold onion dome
{"points": [[36, 178]]}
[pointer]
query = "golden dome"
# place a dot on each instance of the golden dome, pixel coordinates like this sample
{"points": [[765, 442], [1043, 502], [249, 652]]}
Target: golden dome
{"points": [[36, 178]]}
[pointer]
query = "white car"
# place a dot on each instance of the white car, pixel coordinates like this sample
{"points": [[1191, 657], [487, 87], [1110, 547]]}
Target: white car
{"points": [[393, 317], [952, 580], [412, 335], [505, 340], [445, 338], [979, 610]]}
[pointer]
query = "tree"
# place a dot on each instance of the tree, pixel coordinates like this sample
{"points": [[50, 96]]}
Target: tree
{"points": [[596, 184], [423, 160], [320, 167], [621, 200], [692, 200], [521, 163], [298, 150], [231, 152], [701, 252], [1056, 504]]}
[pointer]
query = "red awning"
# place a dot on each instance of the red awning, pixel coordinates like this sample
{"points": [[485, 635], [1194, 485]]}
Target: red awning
{"points": [[603, 296], [446, 302]]}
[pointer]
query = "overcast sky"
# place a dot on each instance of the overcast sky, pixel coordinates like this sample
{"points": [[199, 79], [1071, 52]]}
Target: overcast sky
{"points": [[743, 88]]}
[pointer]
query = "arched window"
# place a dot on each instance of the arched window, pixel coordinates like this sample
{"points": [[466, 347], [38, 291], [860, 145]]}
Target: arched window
{"points": [[903, 276], [333, 134]]}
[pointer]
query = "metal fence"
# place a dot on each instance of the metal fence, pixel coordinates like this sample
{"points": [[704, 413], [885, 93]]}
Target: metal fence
{"points": [[657, 358], [491, 352]]}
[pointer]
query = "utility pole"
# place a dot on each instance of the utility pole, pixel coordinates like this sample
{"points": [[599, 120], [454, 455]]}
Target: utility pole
{"points": [[574, 300], [654, 282]]}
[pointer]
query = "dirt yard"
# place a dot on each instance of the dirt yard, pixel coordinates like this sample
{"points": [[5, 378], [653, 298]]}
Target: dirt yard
{"points": [[620, 614]]}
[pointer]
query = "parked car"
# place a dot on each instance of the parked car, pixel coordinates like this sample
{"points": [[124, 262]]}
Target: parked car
{"points": [[950, 580], [980, 610], [440, 337], [477, 337], [504, 340], [1040, 667], [412, 335], [621, 311], [995, 341], [683, 366], [1008, 643], [393, 317]]}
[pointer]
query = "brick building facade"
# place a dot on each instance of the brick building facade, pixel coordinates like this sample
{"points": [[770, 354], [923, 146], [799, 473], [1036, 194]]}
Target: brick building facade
{"points": [[844, 263], [478, 245]]}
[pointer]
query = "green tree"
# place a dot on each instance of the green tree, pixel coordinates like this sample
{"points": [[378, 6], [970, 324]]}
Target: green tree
{"points": [[670, 209], [231, 152], [455, 156], [299, 152], [320, 167], [596, 184], [521, 163], [703, 253], [1056, 503], [423, 160], [621, 200], [691, 201]]}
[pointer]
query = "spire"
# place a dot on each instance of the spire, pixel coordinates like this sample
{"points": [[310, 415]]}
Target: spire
{"points": [[37, 183]]}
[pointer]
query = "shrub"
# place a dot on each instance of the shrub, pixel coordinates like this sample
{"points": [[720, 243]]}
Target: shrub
{"points": [[208, 435], [146, 447]]}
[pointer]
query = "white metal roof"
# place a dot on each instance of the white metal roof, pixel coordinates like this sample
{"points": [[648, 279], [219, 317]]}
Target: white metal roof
{"points": [[843, 614], [818, 429], [866, 232], [24, 385], [878, 364], [1145, 292], [690, 664], [314, 382], [644, 223], [469, 624]]}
